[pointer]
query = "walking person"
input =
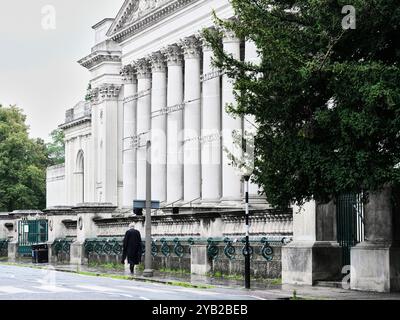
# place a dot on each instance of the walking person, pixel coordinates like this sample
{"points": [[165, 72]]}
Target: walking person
{"points": [[132, 247]]}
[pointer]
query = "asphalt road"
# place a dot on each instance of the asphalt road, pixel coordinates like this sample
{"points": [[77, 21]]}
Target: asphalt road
{"points": [[20, 283]]}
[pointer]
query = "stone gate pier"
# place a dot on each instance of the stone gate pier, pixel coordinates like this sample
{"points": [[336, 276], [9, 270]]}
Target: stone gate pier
{"points": [[375, 263]]}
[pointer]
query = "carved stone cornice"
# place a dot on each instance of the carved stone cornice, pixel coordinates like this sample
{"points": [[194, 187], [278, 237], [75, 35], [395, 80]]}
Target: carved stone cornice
{"points": [[132, 20], [98, 57], [128, 74], [173, 54], [158, 62], [191, 47], [143, 69]]}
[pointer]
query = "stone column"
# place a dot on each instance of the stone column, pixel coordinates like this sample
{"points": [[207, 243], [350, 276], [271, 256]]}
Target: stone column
{"points": [[159, 127], [314, 254], [175, 124], [375, 263], [129, 153], [249, 123], [211, 168], [231, 178], [143, 123], [192, 130]]}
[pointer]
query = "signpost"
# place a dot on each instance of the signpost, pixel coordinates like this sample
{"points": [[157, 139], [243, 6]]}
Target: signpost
{"points": [[148, 270], [247, 255]]}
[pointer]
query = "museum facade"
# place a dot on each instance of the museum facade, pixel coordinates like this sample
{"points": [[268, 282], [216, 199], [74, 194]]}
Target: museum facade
{"points": [[152, 79]]}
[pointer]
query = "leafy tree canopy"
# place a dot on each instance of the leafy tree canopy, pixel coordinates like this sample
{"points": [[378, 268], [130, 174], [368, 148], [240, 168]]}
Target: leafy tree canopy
{"points": [[326, 99], [23, 163], [56, 148]]}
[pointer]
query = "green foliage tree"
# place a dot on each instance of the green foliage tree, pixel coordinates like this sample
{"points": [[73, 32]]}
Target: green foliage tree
{"points": [[23, 163], [56, 148], [326, 98]]}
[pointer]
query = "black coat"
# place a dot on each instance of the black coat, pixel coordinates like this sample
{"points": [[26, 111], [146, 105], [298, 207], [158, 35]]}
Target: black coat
{"points": [[132, 247]]}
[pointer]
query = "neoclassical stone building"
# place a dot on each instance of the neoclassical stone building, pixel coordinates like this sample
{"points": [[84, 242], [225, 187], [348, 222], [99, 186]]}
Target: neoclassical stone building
{"points": [[152, 78]]}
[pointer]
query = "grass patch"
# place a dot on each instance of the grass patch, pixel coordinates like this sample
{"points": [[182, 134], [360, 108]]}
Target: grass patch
{"points": [[240, 277], [107, 266], [189, 285], [175, 271]]}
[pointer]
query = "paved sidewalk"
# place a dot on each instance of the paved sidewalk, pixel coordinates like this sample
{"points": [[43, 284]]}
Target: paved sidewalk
{"points": [[261, 289]]}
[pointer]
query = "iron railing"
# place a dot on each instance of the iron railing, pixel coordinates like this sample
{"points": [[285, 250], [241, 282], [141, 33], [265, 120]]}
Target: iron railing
{"points": [[31, 232], [3, 248], [230, 248], [62, 246], [350, 222]]}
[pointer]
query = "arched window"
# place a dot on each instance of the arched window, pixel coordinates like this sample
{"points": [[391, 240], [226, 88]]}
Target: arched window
{"points": [[80, 177]]}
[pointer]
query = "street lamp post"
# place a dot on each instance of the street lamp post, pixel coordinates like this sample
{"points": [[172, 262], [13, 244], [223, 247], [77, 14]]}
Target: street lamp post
{"points": [[247, 253], [148, 270]]}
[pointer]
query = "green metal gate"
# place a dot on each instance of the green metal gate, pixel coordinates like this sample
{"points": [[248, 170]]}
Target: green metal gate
{"points": [[350, 222], [31, 232]]}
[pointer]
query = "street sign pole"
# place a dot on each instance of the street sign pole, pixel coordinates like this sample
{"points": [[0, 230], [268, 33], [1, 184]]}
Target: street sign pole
{"points": [[148, 270], [247, 255]]}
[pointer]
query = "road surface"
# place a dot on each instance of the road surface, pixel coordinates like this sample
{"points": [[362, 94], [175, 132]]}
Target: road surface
{"points": [[21, 283]]}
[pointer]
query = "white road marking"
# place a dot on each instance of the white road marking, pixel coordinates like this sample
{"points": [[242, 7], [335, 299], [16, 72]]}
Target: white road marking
{"points": [[146, 289], [255, 297], [55, 289], [13, 290], [206, 293], [98, 288], [144, 298]]}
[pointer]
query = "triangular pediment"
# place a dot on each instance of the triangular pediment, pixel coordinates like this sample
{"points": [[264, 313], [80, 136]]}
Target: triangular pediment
{"points": [[134, 10]]}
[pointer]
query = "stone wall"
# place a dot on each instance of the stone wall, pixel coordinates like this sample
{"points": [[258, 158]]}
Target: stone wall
{"points": [[224, 263], [55, 186], [8, 227]]}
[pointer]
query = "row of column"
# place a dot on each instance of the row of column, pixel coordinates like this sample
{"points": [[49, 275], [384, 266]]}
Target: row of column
{"points": [[184, 117]]}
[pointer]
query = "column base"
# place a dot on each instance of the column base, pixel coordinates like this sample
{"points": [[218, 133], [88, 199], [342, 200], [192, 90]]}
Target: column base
{"points": [[305, 262], [231, 202], [210, 203], [375, 267], [148, 273]]}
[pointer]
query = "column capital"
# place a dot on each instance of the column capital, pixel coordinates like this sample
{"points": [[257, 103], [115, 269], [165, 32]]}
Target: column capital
{"points": [[105, 91], [173, 54], [128, 73], [158, 62], [142, 67], [229, 36], [191, 47]]}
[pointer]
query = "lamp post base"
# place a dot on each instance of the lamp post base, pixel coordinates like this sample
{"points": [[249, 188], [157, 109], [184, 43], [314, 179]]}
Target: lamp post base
{"points": [[148, 273]]}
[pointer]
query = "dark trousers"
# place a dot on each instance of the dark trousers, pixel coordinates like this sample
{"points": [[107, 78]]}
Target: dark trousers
{"points": [[132, 267]]}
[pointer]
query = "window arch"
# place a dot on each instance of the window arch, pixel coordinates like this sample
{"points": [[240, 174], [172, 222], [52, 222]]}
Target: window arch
{"points": [[80, 177]]}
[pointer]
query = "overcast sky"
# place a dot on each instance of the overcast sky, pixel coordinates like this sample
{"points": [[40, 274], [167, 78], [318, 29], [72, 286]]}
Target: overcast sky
{"points": [[38, 66]]}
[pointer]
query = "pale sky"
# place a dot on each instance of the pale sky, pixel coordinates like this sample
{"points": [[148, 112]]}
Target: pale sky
{"points": [[38, 67]]}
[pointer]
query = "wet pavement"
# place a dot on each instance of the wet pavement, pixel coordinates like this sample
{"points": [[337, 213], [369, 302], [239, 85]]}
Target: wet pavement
{"points": [[261, 290]]}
